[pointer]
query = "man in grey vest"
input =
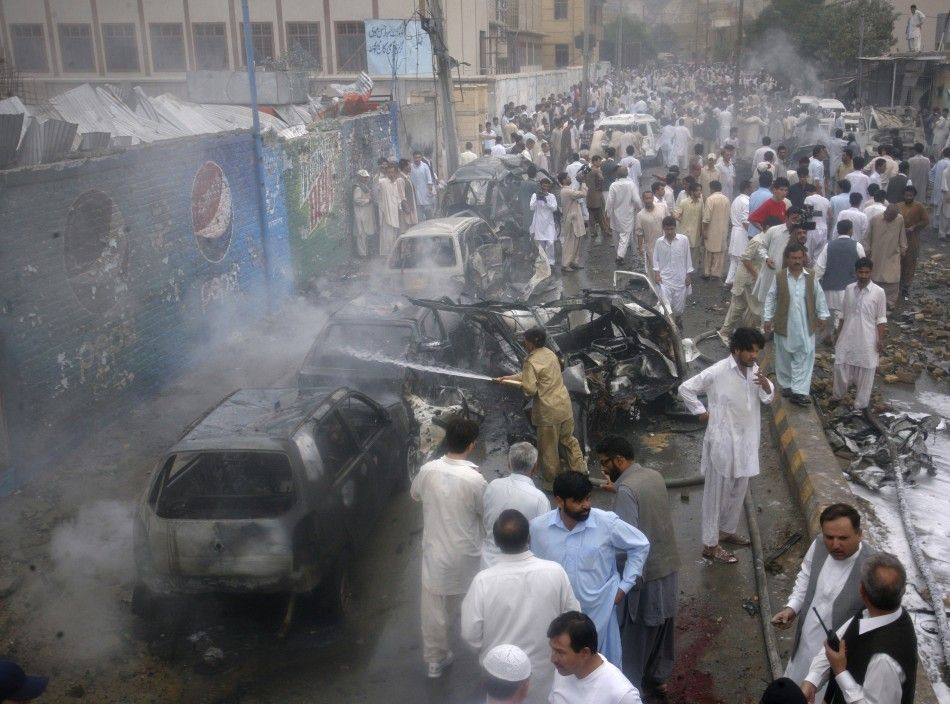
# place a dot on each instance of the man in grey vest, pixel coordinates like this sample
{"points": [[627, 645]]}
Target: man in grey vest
{"points": [[835, 268], [828, 581], [876, 659], [647, 615], [795, 309]]}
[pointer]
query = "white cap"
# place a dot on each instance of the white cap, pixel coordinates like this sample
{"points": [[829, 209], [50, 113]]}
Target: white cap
{"points": [[508, 663], [763, 166]]}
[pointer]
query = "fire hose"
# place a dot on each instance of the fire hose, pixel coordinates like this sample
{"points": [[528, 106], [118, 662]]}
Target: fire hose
{"points": [[933, 588]]}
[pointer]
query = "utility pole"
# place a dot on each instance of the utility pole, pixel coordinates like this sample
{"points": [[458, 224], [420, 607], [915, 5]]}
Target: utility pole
{"points": [[619, 36], [585, 81], [735, 78], [443, 66], [860, 53]]}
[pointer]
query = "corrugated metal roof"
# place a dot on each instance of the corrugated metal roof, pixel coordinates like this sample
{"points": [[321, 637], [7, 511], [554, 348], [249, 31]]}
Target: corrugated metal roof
{"points": [[46, 142], [11, 127]]}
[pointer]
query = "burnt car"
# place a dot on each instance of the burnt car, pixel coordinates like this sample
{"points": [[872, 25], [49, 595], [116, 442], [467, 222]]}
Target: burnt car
{"points": [[620, 348], [496, 189], [271, 491], [368, 343]]}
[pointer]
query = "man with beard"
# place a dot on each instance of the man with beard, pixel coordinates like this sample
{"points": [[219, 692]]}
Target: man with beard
{"points": [[584, 541], [649, 228], [647, 621], [916, 218], [734, 387]]}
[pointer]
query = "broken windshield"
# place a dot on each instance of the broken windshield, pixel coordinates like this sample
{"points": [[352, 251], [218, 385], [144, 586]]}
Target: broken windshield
{"points": [[218, 485], [424, 253]]}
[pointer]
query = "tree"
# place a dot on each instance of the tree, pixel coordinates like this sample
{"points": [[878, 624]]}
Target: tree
{"points": [[827, 34]]}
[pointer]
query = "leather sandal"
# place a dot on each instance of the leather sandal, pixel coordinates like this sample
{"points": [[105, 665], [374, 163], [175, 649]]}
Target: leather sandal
{"points": [[720, 554], [734, 539]]}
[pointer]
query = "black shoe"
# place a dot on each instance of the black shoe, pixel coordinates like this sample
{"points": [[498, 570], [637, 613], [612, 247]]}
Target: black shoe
{"points": [[786, 393], [800, 400]]}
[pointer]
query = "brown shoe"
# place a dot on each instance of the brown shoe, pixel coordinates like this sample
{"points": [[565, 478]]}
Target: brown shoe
{"points": [[720, 554]]}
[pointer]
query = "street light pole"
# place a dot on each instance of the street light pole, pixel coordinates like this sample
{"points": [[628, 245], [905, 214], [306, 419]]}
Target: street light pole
{"points": [[585, 81], [443, 65]]}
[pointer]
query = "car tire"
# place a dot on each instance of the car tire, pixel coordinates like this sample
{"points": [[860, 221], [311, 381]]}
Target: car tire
{"points": [[338, 592]]}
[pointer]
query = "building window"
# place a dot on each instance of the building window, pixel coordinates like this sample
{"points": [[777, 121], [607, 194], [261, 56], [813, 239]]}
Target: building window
{"points": [[560, 9], [168, 46], [303, 40], [350, 46], [120, 48], [211, 45], [562, 55], [75, 43], [262, 38], [29, 47]]}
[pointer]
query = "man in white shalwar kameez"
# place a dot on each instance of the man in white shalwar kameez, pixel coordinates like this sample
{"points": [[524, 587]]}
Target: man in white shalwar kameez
{"points": [[734, 389], [739, 220], [861, 334], [828, 582], [673, 267], [451, 490], [392, 202], [623, 202], [796, 309], [364, 216], [543, 228], [681, 141]]}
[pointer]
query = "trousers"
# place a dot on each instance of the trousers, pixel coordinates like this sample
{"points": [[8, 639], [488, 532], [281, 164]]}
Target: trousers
{"points": [[439, 612], [733, 267], [623, 243], [550, 439], [571, 250], [861, 377], [744, 311], [713, 263], [722, 504], [909, 260]]}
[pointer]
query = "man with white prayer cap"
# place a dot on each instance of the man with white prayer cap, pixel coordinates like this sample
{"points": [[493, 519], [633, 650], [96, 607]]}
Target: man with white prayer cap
{"points": [[507, 675]]}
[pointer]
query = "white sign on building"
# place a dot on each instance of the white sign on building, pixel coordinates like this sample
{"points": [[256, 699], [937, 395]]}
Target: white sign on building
{"points": [[397, 47]]}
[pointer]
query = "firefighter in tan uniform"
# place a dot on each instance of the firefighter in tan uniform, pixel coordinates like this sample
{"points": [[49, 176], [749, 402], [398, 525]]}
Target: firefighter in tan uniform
{"points": [[551, 412]]}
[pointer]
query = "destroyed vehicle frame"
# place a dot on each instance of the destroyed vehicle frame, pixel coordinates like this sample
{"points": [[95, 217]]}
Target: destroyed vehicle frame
{"points": [[630, 351], [270, 491]]}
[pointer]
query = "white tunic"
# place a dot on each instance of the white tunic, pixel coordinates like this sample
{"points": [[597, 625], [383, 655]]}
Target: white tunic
{"points": [[731, 443], [542, 223], [511, 603], [623, 202], [834, 573], [605, 685], [673, 263], [451, 494], [739, 215], [859, 223], [863, 310], [514, 491]]}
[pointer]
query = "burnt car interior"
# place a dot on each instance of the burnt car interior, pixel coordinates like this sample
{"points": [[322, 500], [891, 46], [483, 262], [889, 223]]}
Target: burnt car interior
{"points": [[424, 252], [224, 485]]}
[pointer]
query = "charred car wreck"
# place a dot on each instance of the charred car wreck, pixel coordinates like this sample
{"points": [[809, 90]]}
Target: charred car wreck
{"points": [[619, 352]]}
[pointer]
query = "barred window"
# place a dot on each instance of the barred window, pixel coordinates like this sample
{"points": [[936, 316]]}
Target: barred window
{"points": [[560, 9], [120, 47], [168, 46], [29, 47], [262, 39], [303, 39], [75, 43], [350, 46], [211, 45]]}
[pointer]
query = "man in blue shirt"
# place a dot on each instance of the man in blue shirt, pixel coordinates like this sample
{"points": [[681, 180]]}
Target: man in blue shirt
{"points": [[758, 197], [584, 541]]}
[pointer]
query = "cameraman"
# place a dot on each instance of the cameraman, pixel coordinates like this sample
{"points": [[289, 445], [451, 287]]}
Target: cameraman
{"points": [[543, 228]]}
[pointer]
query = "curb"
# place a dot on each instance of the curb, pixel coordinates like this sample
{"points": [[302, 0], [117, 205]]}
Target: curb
{"points": [[814, 475]]}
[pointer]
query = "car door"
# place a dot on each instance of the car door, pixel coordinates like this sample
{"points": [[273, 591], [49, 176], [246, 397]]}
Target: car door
{"points": [[376, 468], [342, 456]]}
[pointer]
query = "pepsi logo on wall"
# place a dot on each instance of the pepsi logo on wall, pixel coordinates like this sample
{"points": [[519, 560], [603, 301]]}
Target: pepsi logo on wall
{"points": [[211, 213], [96, 251]]}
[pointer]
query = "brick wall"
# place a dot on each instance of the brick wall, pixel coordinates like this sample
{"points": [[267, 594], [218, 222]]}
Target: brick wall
{"points": [[114, 270]]}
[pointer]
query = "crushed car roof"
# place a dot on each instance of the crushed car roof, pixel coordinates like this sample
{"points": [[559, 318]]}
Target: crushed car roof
{"points": [[264, 413], [492, 167], [440, 226]]}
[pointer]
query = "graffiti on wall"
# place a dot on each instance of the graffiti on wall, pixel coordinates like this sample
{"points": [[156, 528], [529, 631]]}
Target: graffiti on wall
{"points": [[96, 251], [316, 178], [211, 211]]}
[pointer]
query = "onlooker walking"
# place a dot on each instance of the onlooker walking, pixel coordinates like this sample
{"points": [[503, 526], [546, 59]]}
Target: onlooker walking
{"points": [[508, 601], [878, 647], [584, 675], [795, 309], [508, 676], [621, 206], [860, 337], [573, 229], [887, 243], [450, 489], [916, 218], [516, 491], [828, 582], [835, 268], [715, 232], [648, 615], [584, 541], [673, 268], [734, 387], [543, 228]]}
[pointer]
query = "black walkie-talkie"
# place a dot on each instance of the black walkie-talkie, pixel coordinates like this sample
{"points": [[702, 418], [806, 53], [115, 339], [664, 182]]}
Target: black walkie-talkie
{"points": [[833, 641]]}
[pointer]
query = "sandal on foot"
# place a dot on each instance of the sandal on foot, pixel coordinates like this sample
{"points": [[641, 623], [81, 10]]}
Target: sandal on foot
{"points": [[734, 539], [720, 554]]}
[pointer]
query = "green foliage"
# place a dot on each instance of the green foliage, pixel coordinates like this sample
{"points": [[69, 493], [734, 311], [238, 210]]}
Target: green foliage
{"points": [[828, 35]]}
